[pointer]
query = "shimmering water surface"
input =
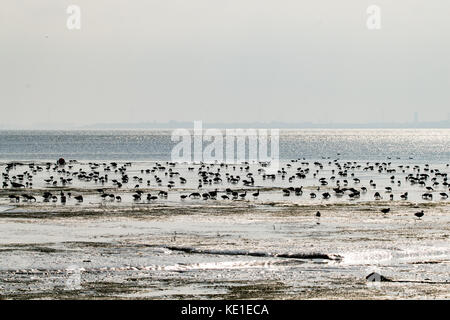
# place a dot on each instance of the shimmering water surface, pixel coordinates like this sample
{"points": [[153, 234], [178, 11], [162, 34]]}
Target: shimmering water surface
{"points": [[132, 145]]}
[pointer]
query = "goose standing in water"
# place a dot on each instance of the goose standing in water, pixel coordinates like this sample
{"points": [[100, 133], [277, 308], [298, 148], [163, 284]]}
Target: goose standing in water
{"points": [[63, 198], [385, 211], [318, 217], [419, 214]]}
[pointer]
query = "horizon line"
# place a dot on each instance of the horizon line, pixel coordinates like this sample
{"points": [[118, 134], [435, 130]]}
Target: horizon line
{"points": [[175, 124]]}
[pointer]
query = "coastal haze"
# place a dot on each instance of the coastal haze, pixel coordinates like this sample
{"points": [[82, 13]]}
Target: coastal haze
{"points": [[223, 61], [93, 204]]}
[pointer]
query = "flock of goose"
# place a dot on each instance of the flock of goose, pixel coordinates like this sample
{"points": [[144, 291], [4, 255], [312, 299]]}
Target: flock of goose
{"points": [[217, 181]]}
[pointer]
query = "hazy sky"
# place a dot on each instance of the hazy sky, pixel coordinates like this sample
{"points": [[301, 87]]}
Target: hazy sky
{"points": [[223, 61]]}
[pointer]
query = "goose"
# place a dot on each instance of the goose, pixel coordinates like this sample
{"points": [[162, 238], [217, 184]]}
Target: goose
{"points": [[195, 195], [326, 195], [17, 185], [206, 196], [29, 197], [419, 214], [427, 196], [163, 194], [14, 198], [213, 194]]}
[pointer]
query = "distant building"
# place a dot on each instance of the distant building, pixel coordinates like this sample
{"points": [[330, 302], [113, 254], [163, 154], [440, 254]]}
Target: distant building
{"points": [[416, 117]]}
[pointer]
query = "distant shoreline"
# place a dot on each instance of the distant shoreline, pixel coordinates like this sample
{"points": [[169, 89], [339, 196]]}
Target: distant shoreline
{"points": [[244, 125]]}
